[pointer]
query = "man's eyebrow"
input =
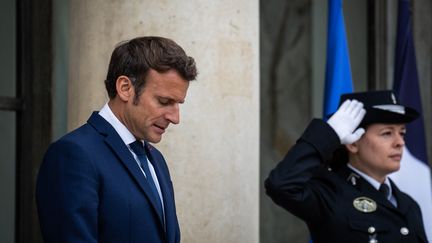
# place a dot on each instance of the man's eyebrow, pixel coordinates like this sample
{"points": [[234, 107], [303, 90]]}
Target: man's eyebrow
{"points": [[171, 99]]}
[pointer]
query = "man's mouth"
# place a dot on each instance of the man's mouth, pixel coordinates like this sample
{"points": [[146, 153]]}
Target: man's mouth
{"points": [[160, 128]]}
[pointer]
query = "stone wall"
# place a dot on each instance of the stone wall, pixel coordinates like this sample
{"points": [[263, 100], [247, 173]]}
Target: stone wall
{"points": [[213, 154]]}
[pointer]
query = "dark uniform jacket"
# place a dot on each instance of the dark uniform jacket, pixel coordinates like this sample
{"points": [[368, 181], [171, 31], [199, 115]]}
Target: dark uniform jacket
{"points": [[339, 205]]}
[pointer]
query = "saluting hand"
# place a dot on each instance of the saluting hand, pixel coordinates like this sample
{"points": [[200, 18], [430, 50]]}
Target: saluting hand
{"points": [[346, 119]]}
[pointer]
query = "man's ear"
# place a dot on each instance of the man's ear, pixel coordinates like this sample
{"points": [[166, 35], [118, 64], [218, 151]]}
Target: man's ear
{"points": [[352, 148], [124, 87]]}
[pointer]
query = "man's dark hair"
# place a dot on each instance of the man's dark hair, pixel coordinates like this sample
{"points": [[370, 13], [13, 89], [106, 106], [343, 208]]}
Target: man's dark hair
{"points": [[134, 58]]}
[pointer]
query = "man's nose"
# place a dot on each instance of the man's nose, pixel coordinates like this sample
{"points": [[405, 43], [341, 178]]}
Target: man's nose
{"points": [[173, 115]]}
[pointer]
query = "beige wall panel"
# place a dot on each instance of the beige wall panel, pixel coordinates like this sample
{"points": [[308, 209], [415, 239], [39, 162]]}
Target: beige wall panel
{"points": [[213, 154]]}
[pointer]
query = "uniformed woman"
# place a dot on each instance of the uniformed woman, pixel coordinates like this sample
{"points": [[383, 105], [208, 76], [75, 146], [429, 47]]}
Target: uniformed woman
{"points": [[335, 176]]}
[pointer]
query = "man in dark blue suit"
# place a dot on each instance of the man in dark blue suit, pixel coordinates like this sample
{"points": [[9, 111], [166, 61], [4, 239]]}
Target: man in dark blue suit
{"points": [[104, 182]]}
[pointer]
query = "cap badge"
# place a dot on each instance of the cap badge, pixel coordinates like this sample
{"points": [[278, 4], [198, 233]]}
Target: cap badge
{"points": [[393, 98], [365, 205]]}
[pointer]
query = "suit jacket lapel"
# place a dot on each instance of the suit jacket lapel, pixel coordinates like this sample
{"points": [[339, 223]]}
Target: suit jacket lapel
{"points": [[117, 145], [164, 183]]}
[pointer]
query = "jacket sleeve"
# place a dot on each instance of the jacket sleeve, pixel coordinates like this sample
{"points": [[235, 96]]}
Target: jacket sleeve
{"points": [[67, 195], [291, 184]]}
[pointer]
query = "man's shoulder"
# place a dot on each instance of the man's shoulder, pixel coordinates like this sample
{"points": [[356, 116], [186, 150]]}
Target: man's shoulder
{"points": [[80, 139], [88, 130], [85, 131], [84, 136]]}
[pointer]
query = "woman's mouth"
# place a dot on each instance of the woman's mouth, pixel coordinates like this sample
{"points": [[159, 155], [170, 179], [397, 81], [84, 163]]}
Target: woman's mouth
{"points": [[397, 157]]}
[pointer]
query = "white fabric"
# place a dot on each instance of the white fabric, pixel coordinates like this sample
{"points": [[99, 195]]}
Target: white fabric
{"points": [[346, 119], [393, 108], [414, 178]]}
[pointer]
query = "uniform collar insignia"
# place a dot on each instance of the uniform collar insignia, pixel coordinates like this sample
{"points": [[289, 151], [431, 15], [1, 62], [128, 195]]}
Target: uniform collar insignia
{"points": [[365, 205], [393, 98], [353, 177]]}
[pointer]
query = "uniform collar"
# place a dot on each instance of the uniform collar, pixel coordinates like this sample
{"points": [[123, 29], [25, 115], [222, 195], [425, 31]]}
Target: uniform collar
{"points": [[371, 180]]}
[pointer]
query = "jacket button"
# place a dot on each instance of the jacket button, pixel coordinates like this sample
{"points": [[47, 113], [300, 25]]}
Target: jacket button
{"points": [[404, 231], [371, 230]]}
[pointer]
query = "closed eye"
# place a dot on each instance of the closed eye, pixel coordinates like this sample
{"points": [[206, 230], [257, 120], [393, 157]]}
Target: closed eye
{"points": [[164, 101]]}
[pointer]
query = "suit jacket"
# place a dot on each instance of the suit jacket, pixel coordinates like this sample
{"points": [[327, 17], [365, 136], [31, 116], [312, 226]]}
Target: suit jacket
{"points": [[325, 198], [90, 189]]}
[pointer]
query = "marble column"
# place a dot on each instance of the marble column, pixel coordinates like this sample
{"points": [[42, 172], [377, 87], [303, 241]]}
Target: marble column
{"points": [[213, 154]]}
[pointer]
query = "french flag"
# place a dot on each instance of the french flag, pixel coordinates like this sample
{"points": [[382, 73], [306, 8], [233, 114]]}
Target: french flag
{"points": [[338, 69], [414, 177]]}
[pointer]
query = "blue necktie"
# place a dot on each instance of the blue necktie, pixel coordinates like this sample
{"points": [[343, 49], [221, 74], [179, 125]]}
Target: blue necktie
{"points": [[138, 148]]}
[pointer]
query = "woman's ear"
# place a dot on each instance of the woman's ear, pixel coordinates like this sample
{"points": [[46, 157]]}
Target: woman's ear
{"points": [[124, 88], [352, 148]]}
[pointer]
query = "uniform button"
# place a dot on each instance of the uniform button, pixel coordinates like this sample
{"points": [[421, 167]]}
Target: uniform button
{"points": [[371, 230], [404, 231]]}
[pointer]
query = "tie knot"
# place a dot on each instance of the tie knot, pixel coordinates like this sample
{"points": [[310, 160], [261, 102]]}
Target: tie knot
{"points": [[384, 189], [137, 147]]}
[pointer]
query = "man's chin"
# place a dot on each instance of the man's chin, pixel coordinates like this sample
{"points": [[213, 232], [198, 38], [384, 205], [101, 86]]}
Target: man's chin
{"points": [[154, 139]]}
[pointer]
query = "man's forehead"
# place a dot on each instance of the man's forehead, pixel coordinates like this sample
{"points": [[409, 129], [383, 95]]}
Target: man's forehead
{"points": [[171, 91]]}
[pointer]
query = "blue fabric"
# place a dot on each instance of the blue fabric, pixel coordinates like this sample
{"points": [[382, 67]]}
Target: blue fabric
{"points": [[406, 84], [90, 189], [338, 71], [414, 176]]}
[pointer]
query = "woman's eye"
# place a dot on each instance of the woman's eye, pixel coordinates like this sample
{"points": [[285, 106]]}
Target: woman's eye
{"points": [[386, 133]]}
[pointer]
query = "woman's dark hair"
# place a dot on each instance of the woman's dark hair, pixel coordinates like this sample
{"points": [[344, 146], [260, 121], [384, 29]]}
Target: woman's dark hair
{"points": [[340, 158], [134, 58]]}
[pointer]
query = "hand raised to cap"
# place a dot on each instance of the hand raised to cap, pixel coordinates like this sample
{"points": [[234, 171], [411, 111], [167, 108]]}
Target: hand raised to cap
{"points": [[346, 119]]}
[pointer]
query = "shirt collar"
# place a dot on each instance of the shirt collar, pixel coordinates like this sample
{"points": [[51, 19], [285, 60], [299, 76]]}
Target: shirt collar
{"points": [[120, 128]]}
